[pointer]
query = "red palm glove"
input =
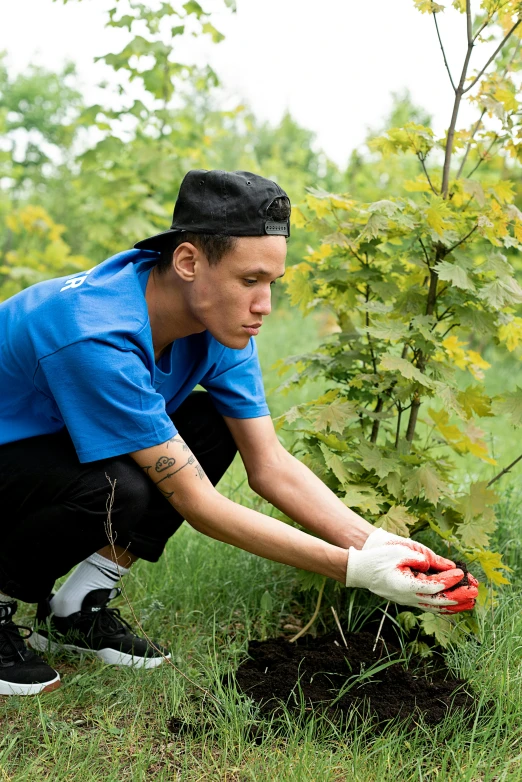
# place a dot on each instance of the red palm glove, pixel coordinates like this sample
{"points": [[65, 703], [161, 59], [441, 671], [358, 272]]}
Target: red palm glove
{"points": [[395, 567]]}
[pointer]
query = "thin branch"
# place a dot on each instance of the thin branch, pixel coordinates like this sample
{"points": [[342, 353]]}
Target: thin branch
{"points": [[453, 325], [473, 134], [337, 622], [422, 158], [308, 625], [483, 156], [454, 114], [479, 121], [499, 47], [462, 240], [505, 470], [425, 253], [469, 25], [444, 53]]}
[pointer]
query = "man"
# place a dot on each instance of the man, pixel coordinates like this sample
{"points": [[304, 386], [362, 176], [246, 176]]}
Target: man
{"points": [[97, 373]]}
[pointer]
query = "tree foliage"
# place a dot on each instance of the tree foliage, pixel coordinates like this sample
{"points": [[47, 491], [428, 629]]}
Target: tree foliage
{"points": [[412, 279]]}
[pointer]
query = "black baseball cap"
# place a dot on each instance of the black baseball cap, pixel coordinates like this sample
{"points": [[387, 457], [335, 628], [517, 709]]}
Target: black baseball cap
{"points": [[233, 203]]}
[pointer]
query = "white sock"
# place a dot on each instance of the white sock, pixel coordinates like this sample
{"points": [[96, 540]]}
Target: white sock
{"points": [[95, 572]]}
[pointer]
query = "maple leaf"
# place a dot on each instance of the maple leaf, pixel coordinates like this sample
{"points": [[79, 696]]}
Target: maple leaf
{"points": [[444, 631], [477, 502], [474, 400], [397, 520], [511, 405], [474, 534], [491, 563], [335, 416], [405, 368], [426, 481], [363, 497], [511, 333], [334, 463], [456, 275], [372, 459]]}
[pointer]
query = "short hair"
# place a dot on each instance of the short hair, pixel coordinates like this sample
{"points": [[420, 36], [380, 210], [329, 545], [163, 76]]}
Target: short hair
{"points": [[215, 246]]}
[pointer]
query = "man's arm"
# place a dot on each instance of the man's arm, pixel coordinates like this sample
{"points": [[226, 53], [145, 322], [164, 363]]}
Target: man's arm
{"points": [[383, 569], [289, 485], [178, 475]]}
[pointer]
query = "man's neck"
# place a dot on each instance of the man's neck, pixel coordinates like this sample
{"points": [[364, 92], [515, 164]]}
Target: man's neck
{"points": [[169, 316]]}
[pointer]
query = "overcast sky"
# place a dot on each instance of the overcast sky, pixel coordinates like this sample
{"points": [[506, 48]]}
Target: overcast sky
{"points": [[333, 63]]}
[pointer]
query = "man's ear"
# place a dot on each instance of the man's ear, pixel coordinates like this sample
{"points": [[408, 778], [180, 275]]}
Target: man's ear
{"points": [[184, 260]]}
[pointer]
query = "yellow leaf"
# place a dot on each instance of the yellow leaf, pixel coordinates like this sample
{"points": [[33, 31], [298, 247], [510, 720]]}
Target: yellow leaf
{"points": [[511, 333], [320, 206], [504, 191], [452, 346], [419, 185], [428, 6], [298, 219], [506, 98], [476, 364], [491, 563], [435, 216]]}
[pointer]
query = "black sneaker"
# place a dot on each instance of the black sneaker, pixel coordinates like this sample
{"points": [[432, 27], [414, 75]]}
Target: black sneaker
{"points": [[22, 672], [95, 629]]}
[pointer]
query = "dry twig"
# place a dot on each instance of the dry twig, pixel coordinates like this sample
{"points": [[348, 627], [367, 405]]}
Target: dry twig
{"points": [[110, 536]]}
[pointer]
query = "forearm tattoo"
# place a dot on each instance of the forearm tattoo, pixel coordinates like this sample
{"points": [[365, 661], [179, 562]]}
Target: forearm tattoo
{"points": [[169, 463]]}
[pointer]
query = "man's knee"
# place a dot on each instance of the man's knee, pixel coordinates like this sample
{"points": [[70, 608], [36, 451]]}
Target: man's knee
{"points": [[117, 485]]}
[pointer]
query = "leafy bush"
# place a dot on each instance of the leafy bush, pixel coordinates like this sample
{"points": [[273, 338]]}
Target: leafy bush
{"points": [[415, 282]]}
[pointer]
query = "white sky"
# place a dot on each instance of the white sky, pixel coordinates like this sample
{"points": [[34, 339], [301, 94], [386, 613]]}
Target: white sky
{"points": [[333, 63]]}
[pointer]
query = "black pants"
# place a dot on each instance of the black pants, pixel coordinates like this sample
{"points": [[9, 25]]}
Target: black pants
{"points": [[53, 508]]}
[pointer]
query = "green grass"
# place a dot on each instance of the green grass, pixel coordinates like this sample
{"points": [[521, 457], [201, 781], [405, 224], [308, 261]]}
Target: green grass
{"points": [[204, 601]]}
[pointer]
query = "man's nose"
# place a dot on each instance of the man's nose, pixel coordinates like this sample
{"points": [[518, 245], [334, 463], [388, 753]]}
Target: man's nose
{"points": [[262, 304]]}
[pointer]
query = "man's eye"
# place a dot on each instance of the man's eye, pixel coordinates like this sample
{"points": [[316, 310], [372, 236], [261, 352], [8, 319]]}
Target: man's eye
{"points": [[274, 282], [250, 282]]}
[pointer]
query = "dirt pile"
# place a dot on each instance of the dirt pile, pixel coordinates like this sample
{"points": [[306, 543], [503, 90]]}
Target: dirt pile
{"points": [[316, 671]]}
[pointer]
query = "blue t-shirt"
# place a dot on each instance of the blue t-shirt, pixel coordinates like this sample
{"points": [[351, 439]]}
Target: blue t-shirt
{"points": [[77, 352]]}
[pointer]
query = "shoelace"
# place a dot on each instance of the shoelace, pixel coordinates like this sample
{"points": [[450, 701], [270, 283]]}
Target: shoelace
{"points": [[109, 621], [10, 635]]}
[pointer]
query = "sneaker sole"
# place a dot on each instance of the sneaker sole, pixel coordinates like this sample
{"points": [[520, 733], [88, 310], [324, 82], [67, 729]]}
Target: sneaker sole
{"points": [[14, 688], [109, 656]]}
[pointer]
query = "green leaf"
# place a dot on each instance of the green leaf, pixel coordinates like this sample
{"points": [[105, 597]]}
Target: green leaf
{"points": [[405, 368], [334, 463], [475, 533], [266, 602], [440, 627], [336, 416], [363, 497], [407, 620], [477, 502], [372, 458], [397, 520], [511, 405], [426, 481], [455, 274]]}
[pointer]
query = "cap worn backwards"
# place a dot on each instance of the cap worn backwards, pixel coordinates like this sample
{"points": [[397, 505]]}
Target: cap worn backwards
{"points": [[233, 203]]}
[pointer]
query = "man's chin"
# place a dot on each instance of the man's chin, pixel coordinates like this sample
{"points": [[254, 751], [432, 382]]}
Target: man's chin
{"points": [[238, 342]]}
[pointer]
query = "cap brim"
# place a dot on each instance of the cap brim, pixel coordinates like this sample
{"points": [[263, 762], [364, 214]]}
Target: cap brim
{"points": [[156, 242]]}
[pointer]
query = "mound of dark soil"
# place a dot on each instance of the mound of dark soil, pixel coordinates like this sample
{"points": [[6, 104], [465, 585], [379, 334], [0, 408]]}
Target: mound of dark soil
{"points": [[313, 672]]}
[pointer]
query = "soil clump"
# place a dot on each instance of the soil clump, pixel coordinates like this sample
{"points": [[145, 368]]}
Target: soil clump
{"points": [[313, 673]]}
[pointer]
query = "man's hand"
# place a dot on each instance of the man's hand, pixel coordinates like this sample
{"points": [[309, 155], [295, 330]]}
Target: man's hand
{"points": [[395, 567]]}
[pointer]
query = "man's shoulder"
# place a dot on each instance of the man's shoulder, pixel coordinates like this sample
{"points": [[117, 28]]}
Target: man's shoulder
{"points": [[105, 302]]}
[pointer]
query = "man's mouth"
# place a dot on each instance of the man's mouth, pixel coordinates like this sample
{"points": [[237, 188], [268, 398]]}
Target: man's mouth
{"points": [[253, 329]]}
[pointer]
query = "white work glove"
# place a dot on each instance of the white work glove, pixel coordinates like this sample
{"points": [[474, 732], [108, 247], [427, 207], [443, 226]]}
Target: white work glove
{"points": [[395, 567]]}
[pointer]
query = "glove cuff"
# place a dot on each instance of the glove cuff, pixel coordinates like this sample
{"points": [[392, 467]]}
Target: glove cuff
{"points": [[355, 568]]}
